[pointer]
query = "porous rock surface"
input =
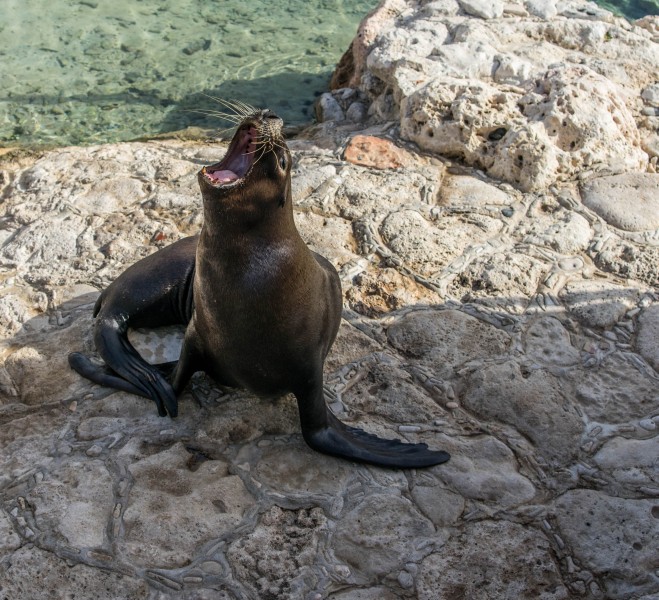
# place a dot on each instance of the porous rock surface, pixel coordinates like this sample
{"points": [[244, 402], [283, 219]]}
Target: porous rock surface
{"points": [[514, 326]]}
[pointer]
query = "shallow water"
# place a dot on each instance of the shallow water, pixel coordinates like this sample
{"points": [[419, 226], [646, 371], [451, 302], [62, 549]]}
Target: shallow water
{"points": [[90, 71], [87, 71]]}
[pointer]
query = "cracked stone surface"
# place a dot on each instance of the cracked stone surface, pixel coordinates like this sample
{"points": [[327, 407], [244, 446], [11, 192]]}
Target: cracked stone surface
{"points": [[514, 326]]}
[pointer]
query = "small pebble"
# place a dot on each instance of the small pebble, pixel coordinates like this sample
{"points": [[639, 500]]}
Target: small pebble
{"points": [[94, 450], [452, 405], [648, 424]]}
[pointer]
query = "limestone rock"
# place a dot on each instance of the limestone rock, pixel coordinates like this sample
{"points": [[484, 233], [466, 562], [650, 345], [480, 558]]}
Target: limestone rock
{"points": [[548, 342], [647, 339], [444, 340], [465, 568], [273, 557], [524, 399], [173, 509], [482, 8], [633, 463], [483, 470], [622, 552], [596, 303], [615, 391], [34, 574], [76, 501], [391, 530], [629, 202]]}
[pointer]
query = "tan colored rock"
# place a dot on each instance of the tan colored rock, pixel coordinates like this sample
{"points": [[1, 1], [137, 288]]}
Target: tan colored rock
{"points": [[370, 151], [647, 339], [173, 510], [629, 202]]}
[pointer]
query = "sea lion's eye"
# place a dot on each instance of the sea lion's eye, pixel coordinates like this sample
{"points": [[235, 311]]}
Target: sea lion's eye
{"points": [[282, 162]]}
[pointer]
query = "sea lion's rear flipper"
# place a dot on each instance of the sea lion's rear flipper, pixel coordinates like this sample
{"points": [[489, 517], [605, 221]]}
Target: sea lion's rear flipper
{"points": [[126, 370], [323, 432]]}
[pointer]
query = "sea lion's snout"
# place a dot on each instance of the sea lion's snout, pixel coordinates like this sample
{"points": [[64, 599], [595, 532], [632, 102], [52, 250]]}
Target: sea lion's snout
{"points": [[258, 134]]}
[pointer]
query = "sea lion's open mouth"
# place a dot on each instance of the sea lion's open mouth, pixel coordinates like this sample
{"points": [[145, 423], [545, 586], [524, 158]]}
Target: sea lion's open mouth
{"points": [[238, 160]]}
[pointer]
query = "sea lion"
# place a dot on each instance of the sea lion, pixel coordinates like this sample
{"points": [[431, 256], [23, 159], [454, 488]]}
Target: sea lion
{"points": [[261, 309]]}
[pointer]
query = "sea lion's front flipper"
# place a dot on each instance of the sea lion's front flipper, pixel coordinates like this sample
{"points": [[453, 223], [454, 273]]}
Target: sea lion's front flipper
{"points": [[323, 432]]}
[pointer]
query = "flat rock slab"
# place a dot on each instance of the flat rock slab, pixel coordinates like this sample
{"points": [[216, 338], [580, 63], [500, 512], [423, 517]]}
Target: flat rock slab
{"points": [[629, 202]]}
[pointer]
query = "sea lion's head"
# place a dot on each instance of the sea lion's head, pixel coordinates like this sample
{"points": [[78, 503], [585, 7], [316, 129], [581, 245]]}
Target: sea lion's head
{"points": [[255, 173]]}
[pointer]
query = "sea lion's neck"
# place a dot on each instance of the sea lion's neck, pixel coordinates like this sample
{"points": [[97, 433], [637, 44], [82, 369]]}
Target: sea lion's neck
{"points": [[240, 230]]}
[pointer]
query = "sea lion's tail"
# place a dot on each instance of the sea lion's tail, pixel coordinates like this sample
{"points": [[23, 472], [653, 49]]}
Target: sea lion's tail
{"points": [[338, 439], [125, 369]]}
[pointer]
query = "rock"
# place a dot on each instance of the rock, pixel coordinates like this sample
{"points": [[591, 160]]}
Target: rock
{"points": [[482, 8], [465, 568], [615, 391], [375, 294], [439, 504], [548, 342], [273, 558], [444, 340], [545, 9], [390, 528], [647, 339], [30, 564], [173, 510], [629, 202], [524, 398], [598, 303], [622, 551], [76, 501], [379, 153], [483, 470], [9, 540], [328, 109], [632, 463], [651, 95]]}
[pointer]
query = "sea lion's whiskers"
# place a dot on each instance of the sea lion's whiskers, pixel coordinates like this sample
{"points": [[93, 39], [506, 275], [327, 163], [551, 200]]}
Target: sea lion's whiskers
{"points": [[242, 111], [211, 113]]}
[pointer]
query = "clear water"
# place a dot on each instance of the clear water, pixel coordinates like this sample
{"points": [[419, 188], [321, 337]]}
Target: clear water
{"points": [[80, 72], [88, 71]]}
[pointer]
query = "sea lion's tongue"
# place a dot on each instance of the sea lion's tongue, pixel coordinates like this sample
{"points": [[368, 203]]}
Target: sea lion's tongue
{"points": [[221, 176]]}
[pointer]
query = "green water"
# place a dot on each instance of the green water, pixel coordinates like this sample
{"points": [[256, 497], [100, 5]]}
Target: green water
{"points": [[88, 71], [80, 72]]}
